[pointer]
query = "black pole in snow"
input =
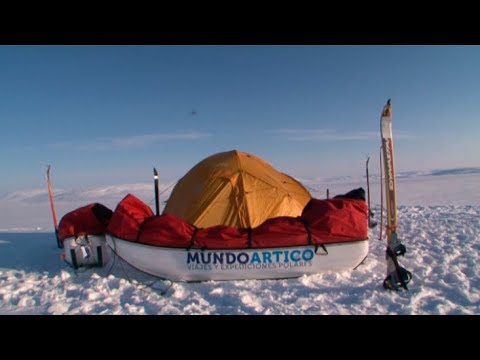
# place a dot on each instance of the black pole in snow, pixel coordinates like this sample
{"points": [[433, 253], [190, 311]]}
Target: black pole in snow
{"points": [[371, 224], [157, 200]]}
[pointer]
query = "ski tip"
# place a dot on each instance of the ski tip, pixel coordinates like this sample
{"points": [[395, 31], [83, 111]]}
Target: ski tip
{"points": [[387, 109], [155, 172], [389, 102]]}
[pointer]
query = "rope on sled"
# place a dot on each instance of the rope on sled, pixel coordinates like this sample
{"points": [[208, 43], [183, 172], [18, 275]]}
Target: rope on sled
{"points": [[138, 283]]}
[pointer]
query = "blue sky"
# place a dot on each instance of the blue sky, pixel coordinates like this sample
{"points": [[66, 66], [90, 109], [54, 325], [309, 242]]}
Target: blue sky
{"points": [[106, 115]]}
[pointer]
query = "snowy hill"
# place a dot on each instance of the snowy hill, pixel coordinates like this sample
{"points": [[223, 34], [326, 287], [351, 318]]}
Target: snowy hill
{"points": [[30, 210], [93, 194]]}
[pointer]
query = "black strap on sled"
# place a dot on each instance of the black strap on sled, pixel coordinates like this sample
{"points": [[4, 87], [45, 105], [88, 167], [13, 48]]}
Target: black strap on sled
{"points": [[195, 230], [323, 247], [249, 234], [309, 237], [74, 259], [140, 230], [99, 256], [307, 229]]}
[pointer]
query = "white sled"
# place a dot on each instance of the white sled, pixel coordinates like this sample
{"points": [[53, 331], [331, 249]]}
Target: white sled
{"points": [[179, 264]]}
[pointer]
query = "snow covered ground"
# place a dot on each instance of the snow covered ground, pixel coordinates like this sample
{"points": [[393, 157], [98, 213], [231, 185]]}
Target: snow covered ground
{"points": [[439, 220]]}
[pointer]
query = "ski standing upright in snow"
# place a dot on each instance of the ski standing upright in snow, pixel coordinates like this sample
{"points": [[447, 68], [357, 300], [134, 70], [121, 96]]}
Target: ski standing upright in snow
{"points": [[397, 276]]}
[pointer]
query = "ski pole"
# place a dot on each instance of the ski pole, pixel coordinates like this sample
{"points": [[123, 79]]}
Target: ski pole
{"points": [[52, 207]]}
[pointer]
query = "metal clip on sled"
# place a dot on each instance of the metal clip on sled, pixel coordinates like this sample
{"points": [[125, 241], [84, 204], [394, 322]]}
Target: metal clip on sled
{"points": [[85, 251]]}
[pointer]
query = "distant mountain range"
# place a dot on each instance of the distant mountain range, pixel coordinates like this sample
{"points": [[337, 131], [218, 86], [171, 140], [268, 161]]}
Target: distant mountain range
{"points": [[403, 174], [114, 193], [468, 170]]}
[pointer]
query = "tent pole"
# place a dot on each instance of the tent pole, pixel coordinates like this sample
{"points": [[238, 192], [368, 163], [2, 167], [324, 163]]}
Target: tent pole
{"points": [[157, 199]]}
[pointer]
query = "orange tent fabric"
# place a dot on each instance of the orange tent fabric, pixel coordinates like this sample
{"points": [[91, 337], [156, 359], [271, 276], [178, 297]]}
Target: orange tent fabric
{"points": [[236, 189]]}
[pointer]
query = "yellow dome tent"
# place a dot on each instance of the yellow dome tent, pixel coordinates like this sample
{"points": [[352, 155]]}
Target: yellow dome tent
{"points": [[236, 189]]}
